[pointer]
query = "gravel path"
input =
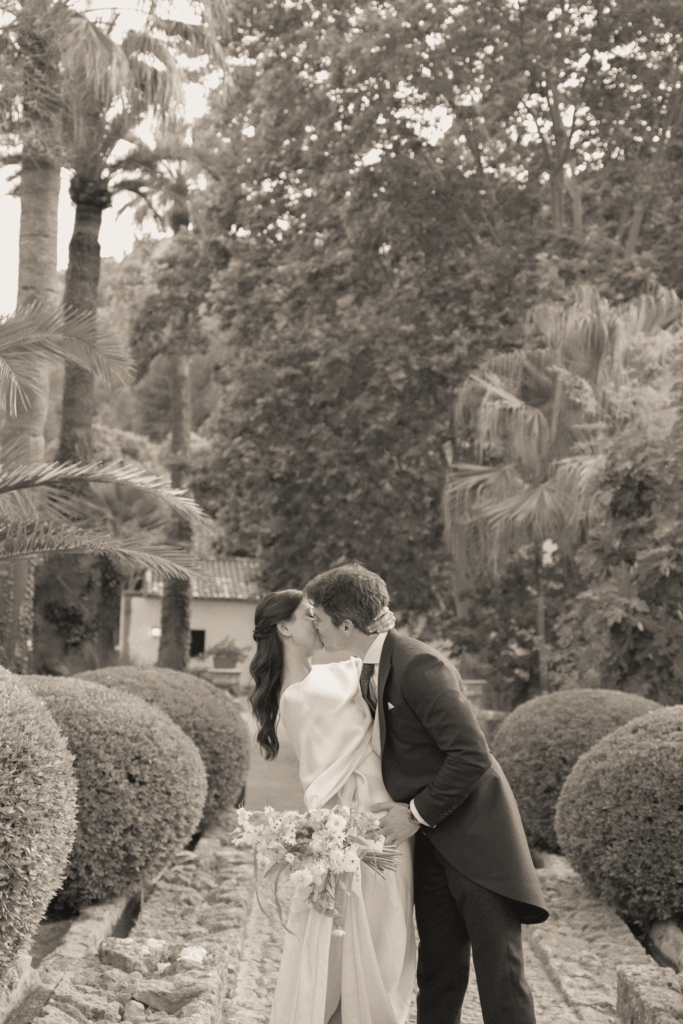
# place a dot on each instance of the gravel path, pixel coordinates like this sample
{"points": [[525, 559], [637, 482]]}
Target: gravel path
{"points": [[255, 985]]}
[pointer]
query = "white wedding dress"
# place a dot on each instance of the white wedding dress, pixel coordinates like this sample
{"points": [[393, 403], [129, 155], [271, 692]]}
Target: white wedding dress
{"points": [[371, 968]]}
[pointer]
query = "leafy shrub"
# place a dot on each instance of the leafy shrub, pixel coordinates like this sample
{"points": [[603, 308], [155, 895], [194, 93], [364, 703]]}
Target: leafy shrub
{"points": [[210, 717], [620, 817], [37, 816], [539, 743], [141, 787]]}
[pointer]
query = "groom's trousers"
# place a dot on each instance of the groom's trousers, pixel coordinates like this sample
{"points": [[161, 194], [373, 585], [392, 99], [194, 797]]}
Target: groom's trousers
{"points": [[456, 915]]}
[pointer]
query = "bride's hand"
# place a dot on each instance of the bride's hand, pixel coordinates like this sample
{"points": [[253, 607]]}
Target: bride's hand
{"points": [[385, 621]]}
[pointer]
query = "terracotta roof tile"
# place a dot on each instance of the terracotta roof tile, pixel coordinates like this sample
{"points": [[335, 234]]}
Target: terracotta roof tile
{"points": [[232, 579]]}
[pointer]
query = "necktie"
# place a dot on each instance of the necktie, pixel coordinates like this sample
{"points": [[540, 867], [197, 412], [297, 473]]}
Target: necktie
{"points": [[365, 676]]}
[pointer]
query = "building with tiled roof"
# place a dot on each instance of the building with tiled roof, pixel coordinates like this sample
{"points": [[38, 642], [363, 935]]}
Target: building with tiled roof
{"points": [[224, 596], [232, 579]]}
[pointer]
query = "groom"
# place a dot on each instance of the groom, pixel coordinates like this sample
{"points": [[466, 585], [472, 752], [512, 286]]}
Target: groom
{"points": [[475, 882]]}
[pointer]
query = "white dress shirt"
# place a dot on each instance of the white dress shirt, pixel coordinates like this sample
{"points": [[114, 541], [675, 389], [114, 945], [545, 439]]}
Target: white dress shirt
{"points": [[372, 657]]}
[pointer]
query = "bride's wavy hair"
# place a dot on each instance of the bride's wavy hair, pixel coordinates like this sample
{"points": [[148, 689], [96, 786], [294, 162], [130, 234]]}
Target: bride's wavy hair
{"points": [[267, 664]]}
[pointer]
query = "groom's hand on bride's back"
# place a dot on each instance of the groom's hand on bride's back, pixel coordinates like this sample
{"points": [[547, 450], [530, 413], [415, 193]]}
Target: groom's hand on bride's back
{"points": [[385, 621], [395, 826]]}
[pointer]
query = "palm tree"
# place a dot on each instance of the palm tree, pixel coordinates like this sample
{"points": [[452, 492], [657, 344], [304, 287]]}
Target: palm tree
{"points": [[53, 56], [161, 181], [36, 514], [541, 420]]}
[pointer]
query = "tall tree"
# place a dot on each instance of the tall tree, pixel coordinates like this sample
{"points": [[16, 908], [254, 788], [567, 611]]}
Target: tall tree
{"points": [[169, 327], [541, 419], [31, 74], [46, 49]]}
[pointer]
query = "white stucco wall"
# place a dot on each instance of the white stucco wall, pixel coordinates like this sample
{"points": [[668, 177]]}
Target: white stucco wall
{"points": [[218, 619]]}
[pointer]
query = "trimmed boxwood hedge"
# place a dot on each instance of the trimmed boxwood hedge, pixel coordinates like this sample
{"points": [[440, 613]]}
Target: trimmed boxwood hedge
{"points": [[539, 743], [210, 717], [141, 787], [37, 816], [620, 817]]}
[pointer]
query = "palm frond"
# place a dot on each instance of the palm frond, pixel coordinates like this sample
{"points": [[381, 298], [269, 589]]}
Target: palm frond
{"points": [[37, 537], [577, 479], [652, 311], [96, 65], [49, 475], [158, 89], [531, 515], [477, 483], [505, 421], [35, 333], [197, 39]]}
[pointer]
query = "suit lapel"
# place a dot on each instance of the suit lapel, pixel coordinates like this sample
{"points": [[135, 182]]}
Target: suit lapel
{"points": [[382, 674]]}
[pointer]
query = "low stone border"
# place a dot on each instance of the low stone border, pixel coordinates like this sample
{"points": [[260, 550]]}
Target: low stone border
{"points": [[27, 979], [649, 995], [666, 938], [595, 960], [583, 943], [180, 959]]}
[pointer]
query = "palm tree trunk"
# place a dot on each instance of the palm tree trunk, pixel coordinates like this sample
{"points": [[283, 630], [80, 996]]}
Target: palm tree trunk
{"points": [[174, 645], [82, 278], [540, 621], [76, 440], [634, 230], [40, 182]]}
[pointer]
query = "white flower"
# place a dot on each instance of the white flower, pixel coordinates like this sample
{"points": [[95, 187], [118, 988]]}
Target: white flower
{"points": [[338, 932], [302, 877], [336, 823], [351, 860]]}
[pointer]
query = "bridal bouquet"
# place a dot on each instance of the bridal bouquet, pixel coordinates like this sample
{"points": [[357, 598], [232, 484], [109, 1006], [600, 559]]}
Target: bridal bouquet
{"points": [[321, 849]]}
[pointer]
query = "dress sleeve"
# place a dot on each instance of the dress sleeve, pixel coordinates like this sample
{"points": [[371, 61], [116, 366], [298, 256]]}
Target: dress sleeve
{"points": [[328, 724]]}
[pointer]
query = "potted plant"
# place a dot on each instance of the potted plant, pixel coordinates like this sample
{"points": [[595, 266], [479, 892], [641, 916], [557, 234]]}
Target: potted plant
{"points": [[226, 653]]}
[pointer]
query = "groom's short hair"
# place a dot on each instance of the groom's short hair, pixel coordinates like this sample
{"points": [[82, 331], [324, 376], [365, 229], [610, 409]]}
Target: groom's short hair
{"points": [[349, 592]]}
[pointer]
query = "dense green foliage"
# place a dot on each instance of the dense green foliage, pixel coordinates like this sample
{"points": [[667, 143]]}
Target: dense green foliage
{"points": [[141, 787], [369, 261], [210, 717], [390, 191], [37, 816], [539, 743], [625, 627], [619, 817]]}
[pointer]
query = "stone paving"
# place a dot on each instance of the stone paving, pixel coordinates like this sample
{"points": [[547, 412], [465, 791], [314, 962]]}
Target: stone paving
{"points": [[257, 974]]}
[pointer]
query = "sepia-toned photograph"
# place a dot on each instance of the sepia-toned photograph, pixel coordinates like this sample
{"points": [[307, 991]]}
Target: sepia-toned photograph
{"points": [[341, 511]]}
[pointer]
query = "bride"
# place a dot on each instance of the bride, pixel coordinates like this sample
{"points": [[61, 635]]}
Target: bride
{"points": [[364, 975]]}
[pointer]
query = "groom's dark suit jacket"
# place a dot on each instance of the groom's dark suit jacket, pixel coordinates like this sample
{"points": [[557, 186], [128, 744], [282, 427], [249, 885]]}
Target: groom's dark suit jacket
{"points": [[434, 751]]}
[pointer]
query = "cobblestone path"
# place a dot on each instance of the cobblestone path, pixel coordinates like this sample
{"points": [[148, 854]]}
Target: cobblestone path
{"points": [[257, 974]]}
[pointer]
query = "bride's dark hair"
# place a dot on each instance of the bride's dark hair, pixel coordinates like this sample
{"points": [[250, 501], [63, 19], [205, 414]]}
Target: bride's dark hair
{"points": [[267, 664]]}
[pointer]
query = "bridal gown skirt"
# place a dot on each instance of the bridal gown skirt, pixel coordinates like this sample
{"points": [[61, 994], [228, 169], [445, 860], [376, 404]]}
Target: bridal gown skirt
{"points": [[371, 968]]}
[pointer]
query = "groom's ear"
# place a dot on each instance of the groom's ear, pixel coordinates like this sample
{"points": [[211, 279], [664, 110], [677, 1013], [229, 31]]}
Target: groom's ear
{"points": [[347, 626]]}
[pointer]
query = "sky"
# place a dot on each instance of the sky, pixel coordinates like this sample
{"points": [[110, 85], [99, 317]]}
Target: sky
{"points": [[117, 235]]}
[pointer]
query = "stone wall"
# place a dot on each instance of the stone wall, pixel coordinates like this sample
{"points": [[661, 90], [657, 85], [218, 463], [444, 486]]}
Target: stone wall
{"points": [[180, 958]]}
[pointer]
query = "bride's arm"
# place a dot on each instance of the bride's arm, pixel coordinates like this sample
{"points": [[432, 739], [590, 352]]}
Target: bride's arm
{"points": [[385, 621]]}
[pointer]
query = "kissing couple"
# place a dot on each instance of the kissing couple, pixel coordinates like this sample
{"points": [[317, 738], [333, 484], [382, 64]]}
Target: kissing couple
{"points": [[391, 731]]}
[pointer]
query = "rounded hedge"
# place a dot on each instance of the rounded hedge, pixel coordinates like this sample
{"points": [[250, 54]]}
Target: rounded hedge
{"points": [[37, 816], [210, 717], [620, 817], [141, 787], [539, 743]]}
